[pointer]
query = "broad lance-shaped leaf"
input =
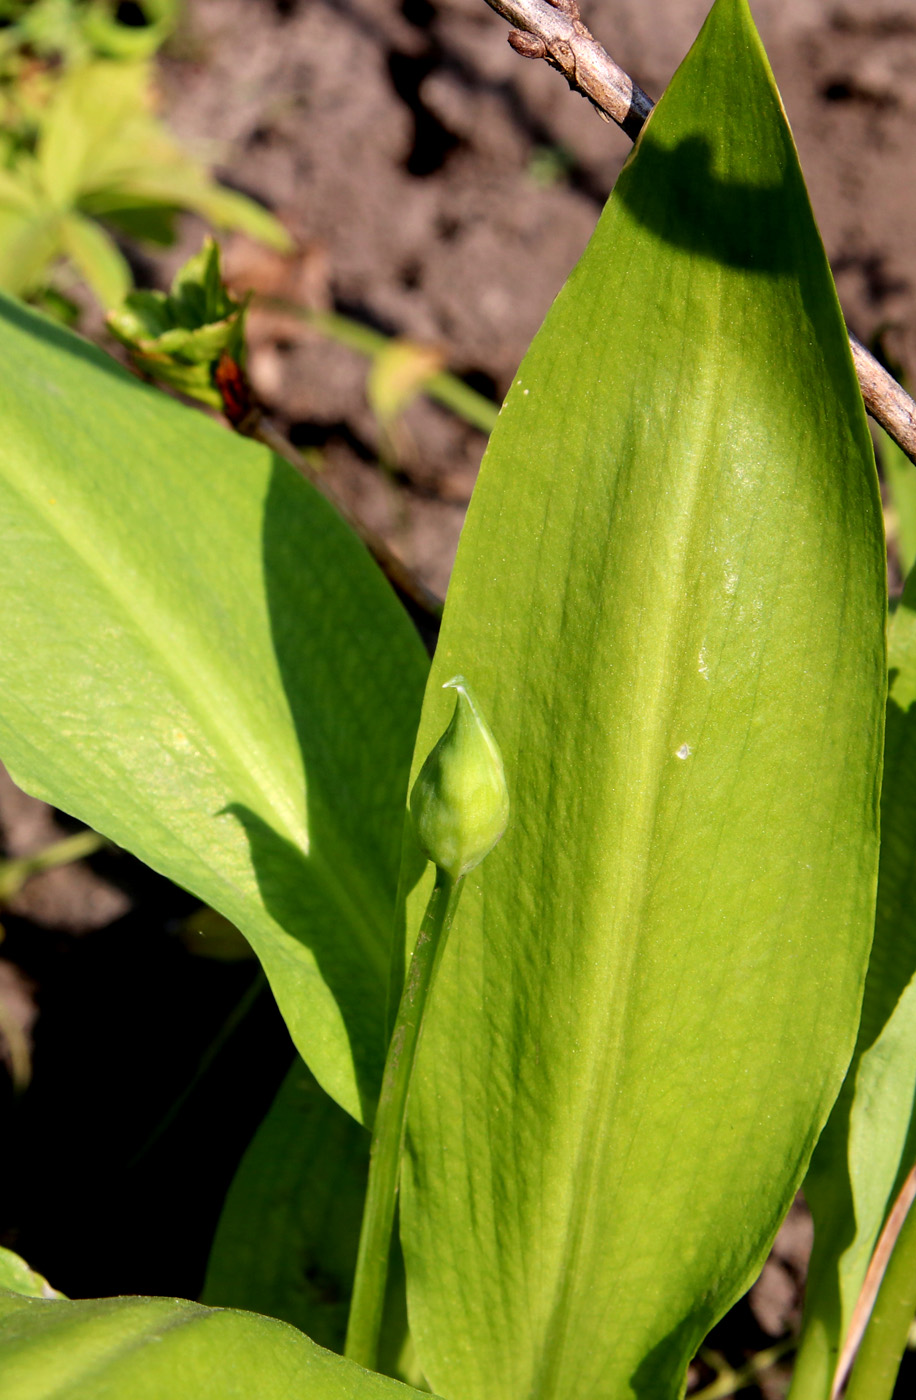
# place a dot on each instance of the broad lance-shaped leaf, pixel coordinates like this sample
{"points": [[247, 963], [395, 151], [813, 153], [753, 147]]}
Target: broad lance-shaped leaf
{"points": [[869, 1143], [162, 1348], [199, 660], [669, 598]]}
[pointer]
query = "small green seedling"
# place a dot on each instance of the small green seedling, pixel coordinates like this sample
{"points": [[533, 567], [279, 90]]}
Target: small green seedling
{"points": [[84, 158]]}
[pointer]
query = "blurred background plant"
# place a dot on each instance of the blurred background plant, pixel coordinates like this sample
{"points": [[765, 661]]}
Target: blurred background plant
{"points": [[84, 157], [181, 337]]}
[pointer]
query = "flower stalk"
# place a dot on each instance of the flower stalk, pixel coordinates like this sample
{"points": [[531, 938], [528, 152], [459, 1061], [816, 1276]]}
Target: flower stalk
{"points": [[460, 807]]}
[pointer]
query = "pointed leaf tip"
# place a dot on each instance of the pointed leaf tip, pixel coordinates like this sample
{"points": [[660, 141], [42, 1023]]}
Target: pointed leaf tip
{"points": [[674, 553]]}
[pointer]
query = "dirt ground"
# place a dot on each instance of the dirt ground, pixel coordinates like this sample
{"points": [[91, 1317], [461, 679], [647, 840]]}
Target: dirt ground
{"points": [[440, 188]]}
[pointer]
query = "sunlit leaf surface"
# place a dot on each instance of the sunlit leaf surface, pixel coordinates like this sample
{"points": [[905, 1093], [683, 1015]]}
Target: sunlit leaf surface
{"points": [[160, 1348], [669, 597], [200, 661]]}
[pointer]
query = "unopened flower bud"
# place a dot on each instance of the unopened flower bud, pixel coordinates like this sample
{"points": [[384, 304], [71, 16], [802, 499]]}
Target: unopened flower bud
{"points": [[460, 802]]}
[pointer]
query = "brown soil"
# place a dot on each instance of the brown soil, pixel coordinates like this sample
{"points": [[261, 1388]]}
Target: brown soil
{"points": [[442, 188]]}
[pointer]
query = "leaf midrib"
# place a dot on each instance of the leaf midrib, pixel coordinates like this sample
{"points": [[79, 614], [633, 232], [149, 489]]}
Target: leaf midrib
{"points": [[372, 934], [633, 898]]}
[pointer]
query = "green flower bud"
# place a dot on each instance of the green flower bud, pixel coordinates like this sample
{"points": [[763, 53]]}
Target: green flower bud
{"points": [[460, 802]]}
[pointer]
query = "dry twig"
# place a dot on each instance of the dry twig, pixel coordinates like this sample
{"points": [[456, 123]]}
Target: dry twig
{"points": [[554, 32], [868, 1293]]}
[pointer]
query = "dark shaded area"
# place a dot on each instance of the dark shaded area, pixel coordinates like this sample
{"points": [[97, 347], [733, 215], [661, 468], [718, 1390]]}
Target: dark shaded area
{"points": [[312, 434], [94, 1191], [680, 196], [484, 384], [419, 13], [880, 26], [738, 1337], [132, 15], [432, 141], [843, 89], [905, 1387]]}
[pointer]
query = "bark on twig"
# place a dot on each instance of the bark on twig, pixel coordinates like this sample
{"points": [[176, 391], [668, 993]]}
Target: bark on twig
{"points": [[865, 1302], [554, 32], [886, 401]]}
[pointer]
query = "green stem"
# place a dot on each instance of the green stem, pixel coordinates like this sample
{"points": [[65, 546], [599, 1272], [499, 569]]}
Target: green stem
{"points": [[875, 1371], [445, 388], [728, 1382], [390, 1120], [15, 872], [452, 393]]}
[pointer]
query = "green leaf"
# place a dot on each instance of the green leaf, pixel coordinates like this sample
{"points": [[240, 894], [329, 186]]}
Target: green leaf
{"points": [[67, 134], [143, 219], [28, 244], [289, 1231], [160, 1348], [197, 294], [869, 1143], [144, 316], [127, 41], [228, 209], [201, 662], [900, 476], [16, 1276], [399, 372], [97, 258], [17, 189], [669, 597], [102, 149]]}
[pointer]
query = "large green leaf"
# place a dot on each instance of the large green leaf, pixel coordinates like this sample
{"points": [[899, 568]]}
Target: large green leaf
{"points": [[869, 1143], [161, 1348], [97, 257], [900, 477], [199, 660], [669, 598]]}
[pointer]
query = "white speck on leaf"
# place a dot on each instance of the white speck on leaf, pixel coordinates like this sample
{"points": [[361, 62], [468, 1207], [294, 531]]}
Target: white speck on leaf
{"points": [[684, 751], [703, 665]]}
